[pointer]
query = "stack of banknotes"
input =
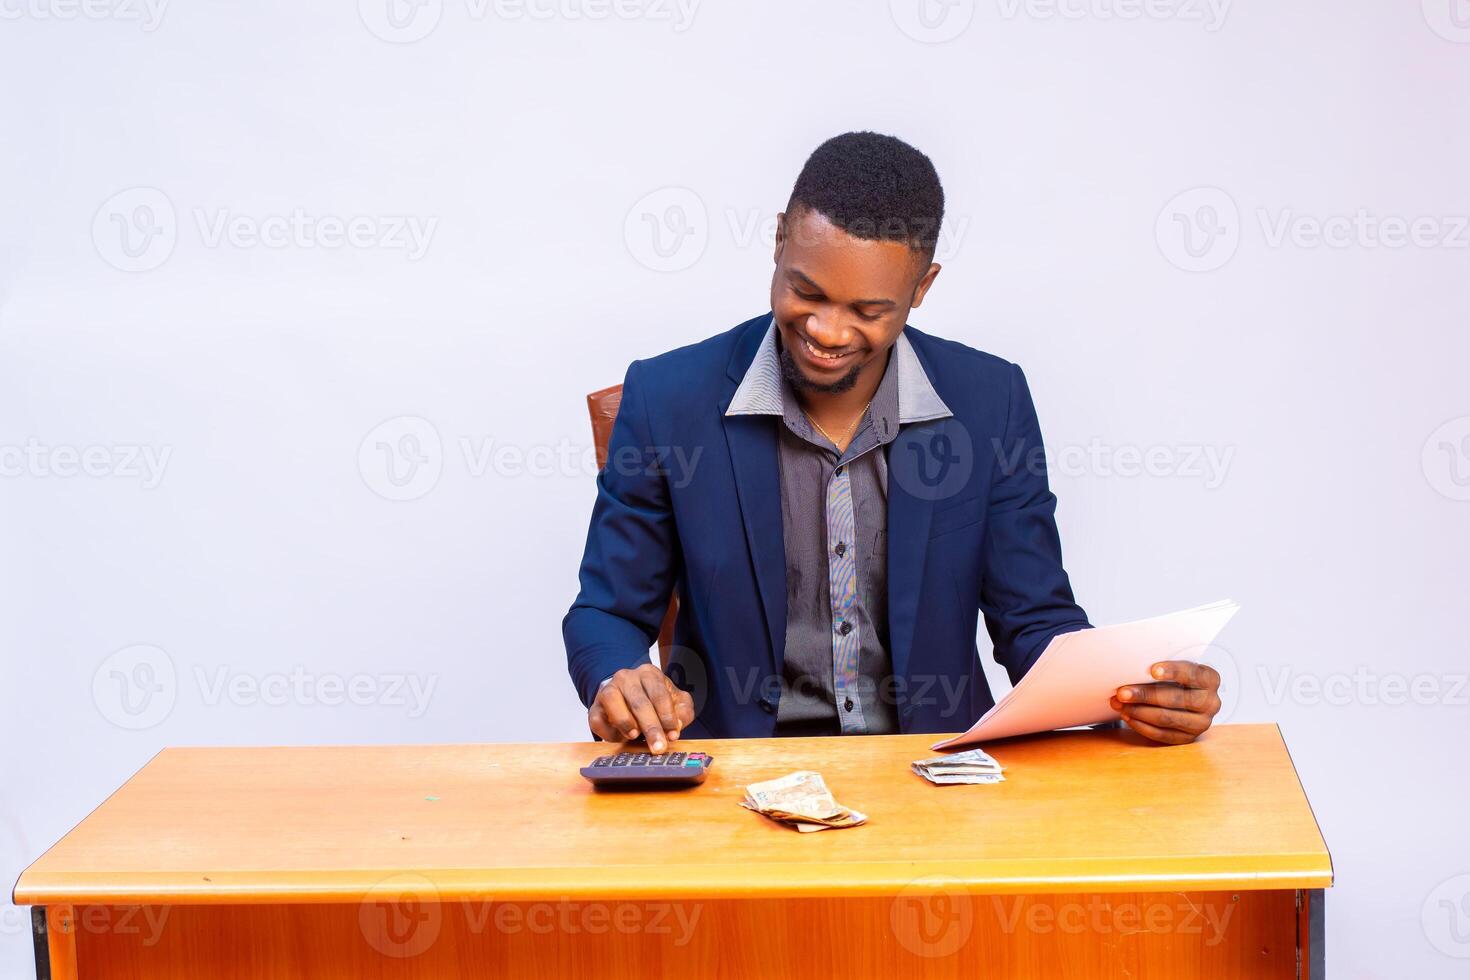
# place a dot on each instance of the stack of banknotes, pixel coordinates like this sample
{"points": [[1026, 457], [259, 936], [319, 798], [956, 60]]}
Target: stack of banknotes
{"points": [[974, 766], [800, 800]]}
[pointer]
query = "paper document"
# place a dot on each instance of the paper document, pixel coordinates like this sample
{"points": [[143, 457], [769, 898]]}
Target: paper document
{"points": [[1072, 681]]}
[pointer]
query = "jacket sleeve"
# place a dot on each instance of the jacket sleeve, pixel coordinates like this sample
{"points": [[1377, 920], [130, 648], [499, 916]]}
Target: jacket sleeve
{"points": [[631, 559], [1025, 594]]}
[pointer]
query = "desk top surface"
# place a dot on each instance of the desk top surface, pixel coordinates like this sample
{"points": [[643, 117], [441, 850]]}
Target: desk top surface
{"points": [[1079, 812]]}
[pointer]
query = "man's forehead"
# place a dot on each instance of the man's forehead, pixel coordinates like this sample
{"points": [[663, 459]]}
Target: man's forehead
{"points": [[828, 256]]}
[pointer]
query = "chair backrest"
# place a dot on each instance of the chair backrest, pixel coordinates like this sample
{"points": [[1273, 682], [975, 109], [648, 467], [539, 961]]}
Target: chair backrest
{"points": [[602, 406]]}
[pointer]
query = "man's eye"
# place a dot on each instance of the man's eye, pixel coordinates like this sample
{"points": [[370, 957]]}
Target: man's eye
{"points": [[870, 317], [807, 296]]}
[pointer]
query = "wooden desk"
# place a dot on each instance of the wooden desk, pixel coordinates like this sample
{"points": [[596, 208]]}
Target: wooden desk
{"points": [[1100, 855]]}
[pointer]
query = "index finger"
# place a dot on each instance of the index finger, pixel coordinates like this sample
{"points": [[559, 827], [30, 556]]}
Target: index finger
{"points": [[647, 718], [656, 686]]}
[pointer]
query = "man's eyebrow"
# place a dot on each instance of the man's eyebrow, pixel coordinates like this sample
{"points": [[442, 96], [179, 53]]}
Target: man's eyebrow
{"points": [[809, 281]]}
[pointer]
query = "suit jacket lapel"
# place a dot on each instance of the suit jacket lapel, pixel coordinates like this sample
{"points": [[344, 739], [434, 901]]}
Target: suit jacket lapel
{"points": [[752, 442], [908, 541], [921, 469]]}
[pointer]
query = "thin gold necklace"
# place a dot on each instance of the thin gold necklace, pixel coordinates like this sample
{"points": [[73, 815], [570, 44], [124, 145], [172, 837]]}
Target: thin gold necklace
{"points": [[850, 428]]}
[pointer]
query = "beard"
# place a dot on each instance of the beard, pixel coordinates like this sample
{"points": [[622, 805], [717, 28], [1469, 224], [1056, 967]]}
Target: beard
{"points": [[800, 382]]}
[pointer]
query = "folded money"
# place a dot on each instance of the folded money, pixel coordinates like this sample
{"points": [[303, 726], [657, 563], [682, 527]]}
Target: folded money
{"points": [[801, 800], [973, 766]]}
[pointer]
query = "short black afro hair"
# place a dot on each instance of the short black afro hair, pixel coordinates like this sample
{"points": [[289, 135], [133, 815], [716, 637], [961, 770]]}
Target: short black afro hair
{"points": [[873, 187]]}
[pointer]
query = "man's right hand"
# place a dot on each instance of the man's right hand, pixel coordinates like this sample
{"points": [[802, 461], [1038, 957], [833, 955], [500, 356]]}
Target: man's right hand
{"points": [[641, 701]]}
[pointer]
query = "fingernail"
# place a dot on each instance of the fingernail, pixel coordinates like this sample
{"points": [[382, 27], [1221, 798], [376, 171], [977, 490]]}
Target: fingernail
{"points": [[633, 734], [1158, 672], [1127, 694], [657, 745], [674, 735]]}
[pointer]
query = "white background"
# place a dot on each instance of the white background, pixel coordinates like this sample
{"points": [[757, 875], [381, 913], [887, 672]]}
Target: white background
{"points": [[528, 140]]}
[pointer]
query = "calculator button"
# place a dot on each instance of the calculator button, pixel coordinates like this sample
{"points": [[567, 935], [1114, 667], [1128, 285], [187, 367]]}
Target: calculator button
{"points": [[602, 760], [657, 760], [641, 759], [693, 762], [622, 759], [676, 758]]}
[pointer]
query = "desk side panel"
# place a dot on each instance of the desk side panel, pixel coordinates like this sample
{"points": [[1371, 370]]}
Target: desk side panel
{"points": [[937, 931]]}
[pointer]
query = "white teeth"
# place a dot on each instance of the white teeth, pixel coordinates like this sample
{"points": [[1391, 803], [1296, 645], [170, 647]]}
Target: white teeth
{"points": [[817, 353]]}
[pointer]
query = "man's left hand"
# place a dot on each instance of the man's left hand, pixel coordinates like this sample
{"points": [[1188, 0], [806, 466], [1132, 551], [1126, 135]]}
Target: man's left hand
{"points": [[1177, 708]]}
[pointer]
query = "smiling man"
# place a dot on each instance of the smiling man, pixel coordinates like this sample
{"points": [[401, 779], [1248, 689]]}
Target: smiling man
{"points": [[857, 493]]}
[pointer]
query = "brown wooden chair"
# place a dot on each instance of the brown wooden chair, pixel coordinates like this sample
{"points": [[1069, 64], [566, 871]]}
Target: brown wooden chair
{"points": [[603, 407]]}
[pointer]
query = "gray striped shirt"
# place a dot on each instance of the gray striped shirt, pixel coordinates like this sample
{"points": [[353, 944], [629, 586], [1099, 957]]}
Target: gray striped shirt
{"points": [[837, 672]]}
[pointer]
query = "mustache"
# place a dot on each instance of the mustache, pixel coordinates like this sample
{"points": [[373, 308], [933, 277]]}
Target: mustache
{"points": [[800, 382]]}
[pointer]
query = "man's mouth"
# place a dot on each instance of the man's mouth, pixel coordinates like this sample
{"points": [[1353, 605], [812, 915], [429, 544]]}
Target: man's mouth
{"points": [[822, 357]]}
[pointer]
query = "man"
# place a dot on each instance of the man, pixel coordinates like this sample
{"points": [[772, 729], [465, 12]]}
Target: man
{"points": [[834, 497]]}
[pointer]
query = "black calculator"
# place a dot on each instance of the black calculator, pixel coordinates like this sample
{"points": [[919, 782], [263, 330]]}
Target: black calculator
{"points": [[645, 769]]}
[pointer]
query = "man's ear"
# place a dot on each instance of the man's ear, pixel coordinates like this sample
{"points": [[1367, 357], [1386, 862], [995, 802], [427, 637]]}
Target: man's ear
{"points": [[923, 287], [780, 234]]}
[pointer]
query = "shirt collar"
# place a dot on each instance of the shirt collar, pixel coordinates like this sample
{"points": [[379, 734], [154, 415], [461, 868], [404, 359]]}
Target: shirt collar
{"points": [[762, 390]]}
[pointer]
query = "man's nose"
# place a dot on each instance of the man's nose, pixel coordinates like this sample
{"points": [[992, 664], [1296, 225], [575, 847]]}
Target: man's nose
{"points": [[823, 329]]}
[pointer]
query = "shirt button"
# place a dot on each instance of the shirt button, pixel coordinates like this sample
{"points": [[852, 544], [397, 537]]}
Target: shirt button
{"points": [[841, 548], [844, 627], [847, 705], [837, 472]]}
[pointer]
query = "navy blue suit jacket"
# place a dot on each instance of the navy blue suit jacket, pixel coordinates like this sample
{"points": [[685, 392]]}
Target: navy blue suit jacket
{"points": [[691, 499]]}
